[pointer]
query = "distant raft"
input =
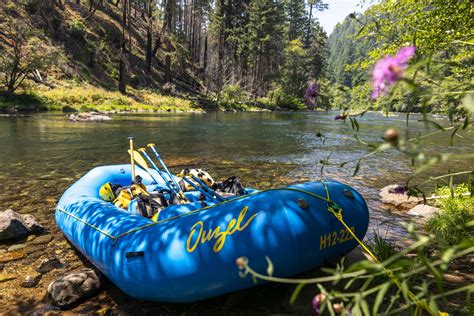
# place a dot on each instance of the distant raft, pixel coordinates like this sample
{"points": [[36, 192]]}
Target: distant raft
{"points": [[189, 254]]}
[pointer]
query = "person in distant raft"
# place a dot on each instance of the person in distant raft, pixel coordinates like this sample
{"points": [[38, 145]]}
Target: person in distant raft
{"points": [[148, 204]]}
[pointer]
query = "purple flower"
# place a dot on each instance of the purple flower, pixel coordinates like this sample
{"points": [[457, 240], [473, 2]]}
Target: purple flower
{"points": [[317, 301], [389, 70], [310, 93]]}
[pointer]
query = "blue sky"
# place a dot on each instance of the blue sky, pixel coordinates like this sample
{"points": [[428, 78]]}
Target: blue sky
{"points": [[337, 11]]}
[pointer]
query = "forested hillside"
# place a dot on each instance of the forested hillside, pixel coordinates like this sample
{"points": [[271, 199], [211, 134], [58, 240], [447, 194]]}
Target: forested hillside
{"points": [[439, 31], [225, 53], [346, 49]]}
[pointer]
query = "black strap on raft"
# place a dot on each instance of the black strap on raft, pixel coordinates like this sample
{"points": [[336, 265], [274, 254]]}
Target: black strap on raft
{"points": [[149, 205], [230, 185]]}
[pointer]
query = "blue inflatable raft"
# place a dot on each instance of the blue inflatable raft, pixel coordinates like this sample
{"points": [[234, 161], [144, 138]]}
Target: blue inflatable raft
{"points": [[189, 254]]}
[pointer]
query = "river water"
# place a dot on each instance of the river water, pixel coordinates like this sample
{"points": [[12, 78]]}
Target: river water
{"points": [[42, 154]]}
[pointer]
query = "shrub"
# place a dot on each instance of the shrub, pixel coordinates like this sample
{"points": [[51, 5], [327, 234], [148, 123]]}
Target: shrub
{"points": [[285, 101], [450, 225], [381, 247], [77, 29], [233, 97]]}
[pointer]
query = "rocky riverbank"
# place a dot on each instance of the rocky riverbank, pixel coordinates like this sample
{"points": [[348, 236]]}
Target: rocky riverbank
{"points": [[36, 271]]}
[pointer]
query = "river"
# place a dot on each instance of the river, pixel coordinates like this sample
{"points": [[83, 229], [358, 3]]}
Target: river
{"points": [[42, 154]]}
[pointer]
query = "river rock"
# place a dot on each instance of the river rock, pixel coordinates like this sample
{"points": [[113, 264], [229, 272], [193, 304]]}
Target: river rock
{"points": [[397, 196], [424, 211], [89, 117], [16, 247], [10, 256], [48, 264], [31, 280], [71, 288], [14, 225], [42, 240], [4, 277]]}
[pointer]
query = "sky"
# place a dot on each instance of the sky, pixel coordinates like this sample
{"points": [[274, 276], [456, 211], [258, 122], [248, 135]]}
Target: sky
{"points": [[337, 11]]}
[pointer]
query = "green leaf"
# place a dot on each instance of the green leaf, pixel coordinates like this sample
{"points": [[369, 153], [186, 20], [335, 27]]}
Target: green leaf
{"points": [[270, 266], [435, 124], [364, 306], [466, 123], [356, 170], [468, 103], [296, 292], [451, 142], [379, 298]]}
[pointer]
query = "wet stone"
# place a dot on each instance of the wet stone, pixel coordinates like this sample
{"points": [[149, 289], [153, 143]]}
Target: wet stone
{"points": [[11, 256], [42, 239], [33, 248], [16, 247], [31, 280], [70, 288], [4, 277], [48, 264]]}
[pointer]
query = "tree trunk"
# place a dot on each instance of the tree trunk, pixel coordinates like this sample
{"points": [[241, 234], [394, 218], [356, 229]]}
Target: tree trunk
{"points": [[168, 27], [123, 52], [149, 38]]}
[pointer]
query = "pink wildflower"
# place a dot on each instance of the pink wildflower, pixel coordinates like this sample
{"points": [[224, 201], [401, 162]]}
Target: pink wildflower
{"points": [[310, 93], [389, 70]]}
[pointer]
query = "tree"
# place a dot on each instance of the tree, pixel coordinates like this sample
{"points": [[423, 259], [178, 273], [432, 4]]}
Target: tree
{"points": [[23, 52], [296, 68], [123, 51]]}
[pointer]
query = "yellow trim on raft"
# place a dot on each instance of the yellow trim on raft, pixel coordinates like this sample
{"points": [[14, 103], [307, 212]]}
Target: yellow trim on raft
{"points": [[189, 213]]}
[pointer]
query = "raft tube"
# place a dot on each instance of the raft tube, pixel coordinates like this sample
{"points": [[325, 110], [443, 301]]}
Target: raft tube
{"points": [[191, 255]]}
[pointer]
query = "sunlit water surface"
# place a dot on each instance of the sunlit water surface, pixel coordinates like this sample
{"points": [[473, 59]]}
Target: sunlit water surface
{"points": [[42, 154]]}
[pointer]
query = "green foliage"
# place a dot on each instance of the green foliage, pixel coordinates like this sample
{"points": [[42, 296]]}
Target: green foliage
{"points": [[381, 247], [281, 100], [27, 101], [365, 288], [345, 49], [451, 224], [295, 72], [233, 97], [32, 6], [77, 29], [23, 51]]}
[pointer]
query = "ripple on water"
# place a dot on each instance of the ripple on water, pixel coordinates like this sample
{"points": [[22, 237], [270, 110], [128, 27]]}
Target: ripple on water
{"points": [[44, 154]]}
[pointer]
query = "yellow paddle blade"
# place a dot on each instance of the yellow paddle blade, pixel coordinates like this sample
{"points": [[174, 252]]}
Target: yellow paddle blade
{"points": [[138, 159]]}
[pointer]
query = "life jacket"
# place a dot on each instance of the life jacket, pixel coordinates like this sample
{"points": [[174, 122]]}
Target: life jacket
{"points": [[127, 194], [198, 173], [231, 185]]}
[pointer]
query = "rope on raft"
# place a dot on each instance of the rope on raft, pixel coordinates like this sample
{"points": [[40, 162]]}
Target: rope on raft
{"points": [[332, 207]]}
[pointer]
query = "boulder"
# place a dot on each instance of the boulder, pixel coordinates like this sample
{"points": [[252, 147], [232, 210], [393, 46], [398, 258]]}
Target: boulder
{"points": [[397, 196], [71, 288], [32, 224], [14, 225], [423, 210], [89, 117]]}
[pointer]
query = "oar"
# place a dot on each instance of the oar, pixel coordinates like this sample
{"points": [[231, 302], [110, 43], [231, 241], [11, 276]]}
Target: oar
{"points": [[143, 152], [208, 189], [177, 188], [132, 160], [152, 146], [138, 158], [206, 194], [142, 163]]}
